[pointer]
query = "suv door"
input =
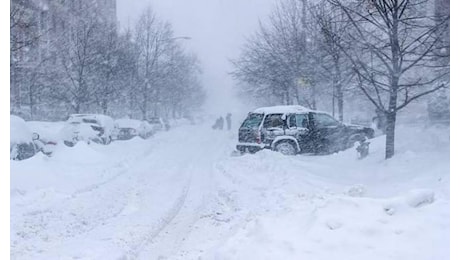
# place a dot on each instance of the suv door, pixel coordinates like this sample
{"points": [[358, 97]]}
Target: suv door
{"points": [[326, 132], [298, 127], [248, 131], [272, 127]]}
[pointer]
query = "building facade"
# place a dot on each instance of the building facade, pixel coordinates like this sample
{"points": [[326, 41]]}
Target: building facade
{"points": [[38, 29]]}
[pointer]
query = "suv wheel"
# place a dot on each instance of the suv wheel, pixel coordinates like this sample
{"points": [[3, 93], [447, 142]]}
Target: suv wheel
{"points": [[107, 140], [286, 148]]}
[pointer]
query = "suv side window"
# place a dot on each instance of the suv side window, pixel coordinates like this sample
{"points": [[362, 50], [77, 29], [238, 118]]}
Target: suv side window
{"points": [[292, 121], [323, 120], [273, 121], [302, 120]]}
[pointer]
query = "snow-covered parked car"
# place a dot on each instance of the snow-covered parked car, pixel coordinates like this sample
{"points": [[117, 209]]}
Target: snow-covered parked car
{"points": [[129, 128], [24, 143], [48, 134], [21, 140], [296, 129], [88, 128], [159, 123]]}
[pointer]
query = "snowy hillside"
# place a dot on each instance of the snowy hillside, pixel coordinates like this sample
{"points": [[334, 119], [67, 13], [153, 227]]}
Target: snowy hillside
{"points": [[181, 195]]}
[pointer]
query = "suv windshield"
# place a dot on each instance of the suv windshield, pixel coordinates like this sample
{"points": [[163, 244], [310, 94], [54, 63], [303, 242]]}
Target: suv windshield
{"points": [[324, 120], [252, 121], [90, 121]]}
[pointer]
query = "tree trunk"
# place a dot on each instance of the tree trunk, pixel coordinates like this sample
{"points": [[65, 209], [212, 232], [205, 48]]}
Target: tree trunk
{"points": [[313, 96], [394, 82], [15, 89], [77, 107], [144, 113], [340, 102], [287, 97], [105, 105], [131, 98], [390, 135], [296, 95], [144, 103], [391, 118], [338, 88], [333, 101], [31, 102], [155, 108]]}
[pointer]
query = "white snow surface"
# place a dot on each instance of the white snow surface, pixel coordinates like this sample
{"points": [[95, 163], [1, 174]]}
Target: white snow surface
{"points": [[180, 195]]}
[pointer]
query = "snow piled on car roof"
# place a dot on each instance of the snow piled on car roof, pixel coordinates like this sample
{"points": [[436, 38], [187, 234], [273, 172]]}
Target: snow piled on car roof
{"points": [[103, 119], [128, 123], [19, 132], [283, 110]]}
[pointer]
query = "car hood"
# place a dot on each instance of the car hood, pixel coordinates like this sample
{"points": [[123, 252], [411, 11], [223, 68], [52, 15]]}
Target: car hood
{"points": [[356, 127], [81, 130]]}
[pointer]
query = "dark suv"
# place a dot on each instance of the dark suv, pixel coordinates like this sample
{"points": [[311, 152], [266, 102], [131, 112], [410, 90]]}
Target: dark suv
{"points": [[296, 129]]}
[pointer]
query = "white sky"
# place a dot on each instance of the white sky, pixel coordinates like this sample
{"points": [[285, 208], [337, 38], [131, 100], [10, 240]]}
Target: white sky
{"points": [[217, 28]]}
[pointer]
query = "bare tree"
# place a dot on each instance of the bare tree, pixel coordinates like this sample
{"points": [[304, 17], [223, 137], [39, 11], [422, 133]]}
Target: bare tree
{"points": [[273, 60], [83, 64], [183, 92], [109, 68], [152, 38], [393, 53], [294, 60], [24, 36], [334, 66], [78, 59], [128, 78]]}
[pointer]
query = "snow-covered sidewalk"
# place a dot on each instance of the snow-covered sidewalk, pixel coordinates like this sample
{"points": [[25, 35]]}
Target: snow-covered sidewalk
{"points": [[180, 195]]}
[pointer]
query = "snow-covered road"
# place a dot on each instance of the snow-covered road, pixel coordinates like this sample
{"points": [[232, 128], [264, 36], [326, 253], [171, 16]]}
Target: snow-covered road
{"points": [[180, 195]]}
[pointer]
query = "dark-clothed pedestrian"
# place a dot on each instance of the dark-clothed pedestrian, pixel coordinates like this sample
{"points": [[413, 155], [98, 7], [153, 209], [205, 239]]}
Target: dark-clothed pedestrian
{"points": [[228, 118], [221, 123]]}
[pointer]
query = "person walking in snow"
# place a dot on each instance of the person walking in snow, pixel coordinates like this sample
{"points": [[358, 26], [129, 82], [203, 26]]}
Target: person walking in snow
{"points": [[216, 124], [221, 123], [228, 118]]}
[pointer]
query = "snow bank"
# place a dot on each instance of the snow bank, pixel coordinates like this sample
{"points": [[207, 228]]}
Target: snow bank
{"points": [[338, 227], [81, 152], [338, 207], [180, 195], [421, 197], [413, 199], [357, 190]]}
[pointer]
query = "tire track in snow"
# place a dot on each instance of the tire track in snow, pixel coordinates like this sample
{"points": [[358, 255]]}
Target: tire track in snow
{"points": [[74, 214], [239, 199], [159, 226], [169, 237]]}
